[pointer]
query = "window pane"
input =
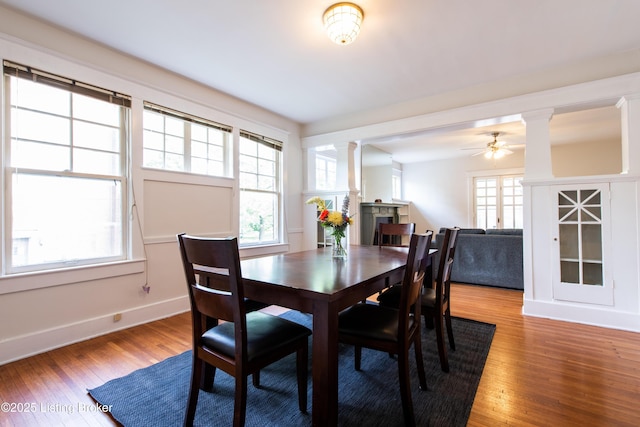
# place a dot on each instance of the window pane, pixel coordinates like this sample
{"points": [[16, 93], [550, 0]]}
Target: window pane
{"points": [[174, 162], [257, 217], [173, 126], [153, 121], [39, 97], [153, 159], [40, 127], [96, 162], [62, 219], [174, 145], [153, 140], [94, 110], [40, 156], [99, 137]]}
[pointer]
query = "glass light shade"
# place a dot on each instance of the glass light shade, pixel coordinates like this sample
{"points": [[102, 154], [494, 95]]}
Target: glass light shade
{"points": [[342, 22]]}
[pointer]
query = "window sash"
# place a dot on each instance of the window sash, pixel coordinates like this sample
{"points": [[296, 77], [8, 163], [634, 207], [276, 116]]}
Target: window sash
{"points": [[175, 147]]}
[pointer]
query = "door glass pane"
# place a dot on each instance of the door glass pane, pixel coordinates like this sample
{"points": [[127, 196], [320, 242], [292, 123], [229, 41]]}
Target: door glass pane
{"points": [[592, 274], [570, 272], [569, 241]]}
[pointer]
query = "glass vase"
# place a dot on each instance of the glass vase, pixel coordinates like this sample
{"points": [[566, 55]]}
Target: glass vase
{"points": [[338, 250]]}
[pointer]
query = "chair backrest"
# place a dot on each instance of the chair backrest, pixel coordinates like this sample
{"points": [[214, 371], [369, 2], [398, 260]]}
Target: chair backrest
{"points": [[219, 258], [443, 279], [394, 233], [414, 274]]}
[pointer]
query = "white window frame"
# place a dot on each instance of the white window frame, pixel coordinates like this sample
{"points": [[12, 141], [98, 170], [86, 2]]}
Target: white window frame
{"points": [[11, 171], [277, 191], [185, 149]]}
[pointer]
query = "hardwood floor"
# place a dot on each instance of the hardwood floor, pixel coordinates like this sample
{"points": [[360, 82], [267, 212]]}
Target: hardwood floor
{"points": [[539, 372]]}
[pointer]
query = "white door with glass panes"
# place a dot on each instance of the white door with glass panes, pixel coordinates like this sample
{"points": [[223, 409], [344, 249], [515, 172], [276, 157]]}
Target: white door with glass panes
{"points": [[498, 201], [582, 244]]}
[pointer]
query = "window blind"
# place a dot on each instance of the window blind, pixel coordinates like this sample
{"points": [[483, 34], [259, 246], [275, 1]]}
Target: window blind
{"points": [[269, 142], [186, 117], [39, 76]]}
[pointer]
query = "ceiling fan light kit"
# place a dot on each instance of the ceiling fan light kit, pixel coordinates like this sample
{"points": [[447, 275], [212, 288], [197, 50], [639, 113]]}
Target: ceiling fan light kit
{"points": [[495, 149], [343, 22]]}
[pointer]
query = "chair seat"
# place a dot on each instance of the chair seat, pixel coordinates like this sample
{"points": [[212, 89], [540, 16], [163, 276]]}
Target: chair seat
{"points": [[265, 333], [371, 321]]}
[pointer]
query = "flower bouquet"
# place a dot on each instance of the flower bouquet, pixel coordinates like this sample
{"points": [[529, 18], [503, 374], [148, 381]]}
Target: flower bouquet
{"points": [[336, 221]]}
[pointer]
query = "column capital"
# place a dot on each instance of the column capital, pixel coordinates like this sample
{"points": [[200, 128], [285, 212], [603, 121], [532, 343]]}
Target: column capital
{"points": [[545, 113]]}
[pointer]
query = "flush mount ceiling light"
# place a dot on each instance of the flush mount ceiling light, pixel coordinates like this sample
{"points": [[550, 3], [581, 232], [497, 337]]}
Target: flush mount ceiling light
{"points": [[342, 22]]}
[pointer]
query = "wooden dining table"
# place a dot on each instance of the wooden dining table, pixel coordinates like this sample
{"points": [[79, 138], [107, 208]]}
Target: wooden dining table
{"points": [[314, 282]]}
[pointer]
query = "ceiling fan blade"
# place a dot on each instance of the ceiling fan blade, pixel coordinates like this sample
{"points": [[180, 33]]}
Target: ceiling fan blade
{"points": [[505, 151], [479, 154]]}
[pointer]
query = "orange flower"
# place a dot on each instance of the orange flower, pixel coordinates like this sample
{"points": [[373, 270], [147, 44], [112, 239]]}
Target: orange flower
{"points": [[323, 215]]}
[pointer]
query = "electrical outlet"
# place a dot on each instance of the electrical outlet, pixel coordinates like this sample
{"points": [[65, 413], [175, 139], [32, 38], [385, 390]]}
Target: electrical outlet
{"points": [[117, 317]]}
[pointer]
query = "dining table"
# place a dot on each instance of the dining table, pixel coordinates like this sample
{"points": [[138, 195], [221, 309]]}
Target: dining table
{"points": [[315, 282]]}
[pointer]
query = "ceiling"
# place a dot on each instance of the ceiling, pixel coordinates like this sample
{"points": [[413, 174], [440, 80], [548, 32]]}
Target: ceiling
{"points": [[275, 53]]}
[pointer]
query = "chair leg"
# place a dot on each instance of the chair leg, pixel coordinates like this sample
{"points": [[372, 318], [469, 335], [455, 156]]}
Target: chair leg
{"points": [[405, 388], [194, 389], [417, 344], [447, 318], [357, 357], [208, 377], [240, 403], [302, 360], [442, 349], [256, 379]]}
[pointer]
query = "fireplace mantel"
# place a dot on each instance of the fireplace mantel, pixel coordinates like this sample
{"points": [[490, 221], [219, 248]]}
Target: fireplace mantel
{"points": [[372, 214]]}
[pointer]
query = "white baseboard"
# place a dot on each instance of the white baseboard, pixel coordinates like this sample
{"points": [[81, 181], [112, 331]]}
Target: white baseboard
{"points": [[589, 315], [39, 342]]}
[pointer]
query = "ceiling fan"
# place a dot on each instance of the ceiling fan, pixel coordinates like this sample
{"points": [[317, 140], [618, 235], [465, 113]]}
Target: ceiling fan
{"points": [[495, 149]]}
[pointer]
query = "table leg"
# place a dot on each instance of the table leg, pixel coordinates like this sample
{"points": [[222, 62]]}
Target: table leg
{"points": [[325, 365]]}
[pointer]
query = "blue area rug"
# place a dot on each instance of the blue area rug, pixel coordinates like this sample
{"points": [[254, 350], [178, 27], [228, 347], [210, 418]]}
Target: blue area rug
{"points": [[156, 396]]}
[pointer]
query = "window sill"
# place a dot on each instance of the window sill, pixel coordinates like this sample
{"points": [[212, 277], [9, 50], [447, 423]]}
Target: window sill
{"points": [[49, 278], [258, 251]]}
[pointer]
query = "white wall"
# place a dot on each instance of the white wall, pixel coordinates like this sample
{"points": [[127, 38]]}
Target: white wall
{"points": [[45, 310]]}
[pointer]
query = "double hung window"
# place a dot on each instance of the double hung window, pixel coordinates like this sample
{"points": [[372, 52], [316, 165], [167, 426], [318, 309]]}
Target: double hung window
{"points": [[182, 142], [65, 177], [260, 189]]}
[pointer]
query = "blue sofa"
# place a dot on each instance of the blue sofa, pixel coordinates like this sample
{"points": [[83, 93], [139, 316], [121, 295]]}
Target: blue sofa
{"points": [[491, 257]]}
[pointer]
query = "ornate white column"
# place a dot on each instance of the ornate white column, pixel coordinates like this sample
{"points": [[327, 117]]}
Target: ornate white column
{"points": [[629, 106], [537, 159]]}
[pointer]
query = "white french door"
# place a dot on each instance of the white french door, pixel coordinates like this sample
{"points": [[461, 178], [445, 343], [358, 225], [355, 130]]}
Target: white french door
{"points": [[498, 201]]}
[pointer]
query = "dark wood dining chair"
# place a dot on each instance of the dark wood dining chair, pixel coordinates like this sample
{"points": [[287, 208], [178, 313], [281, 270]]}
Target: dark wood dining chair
{"points": [[435, 301], [393, 234], [390, 329], [244, 342]]}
